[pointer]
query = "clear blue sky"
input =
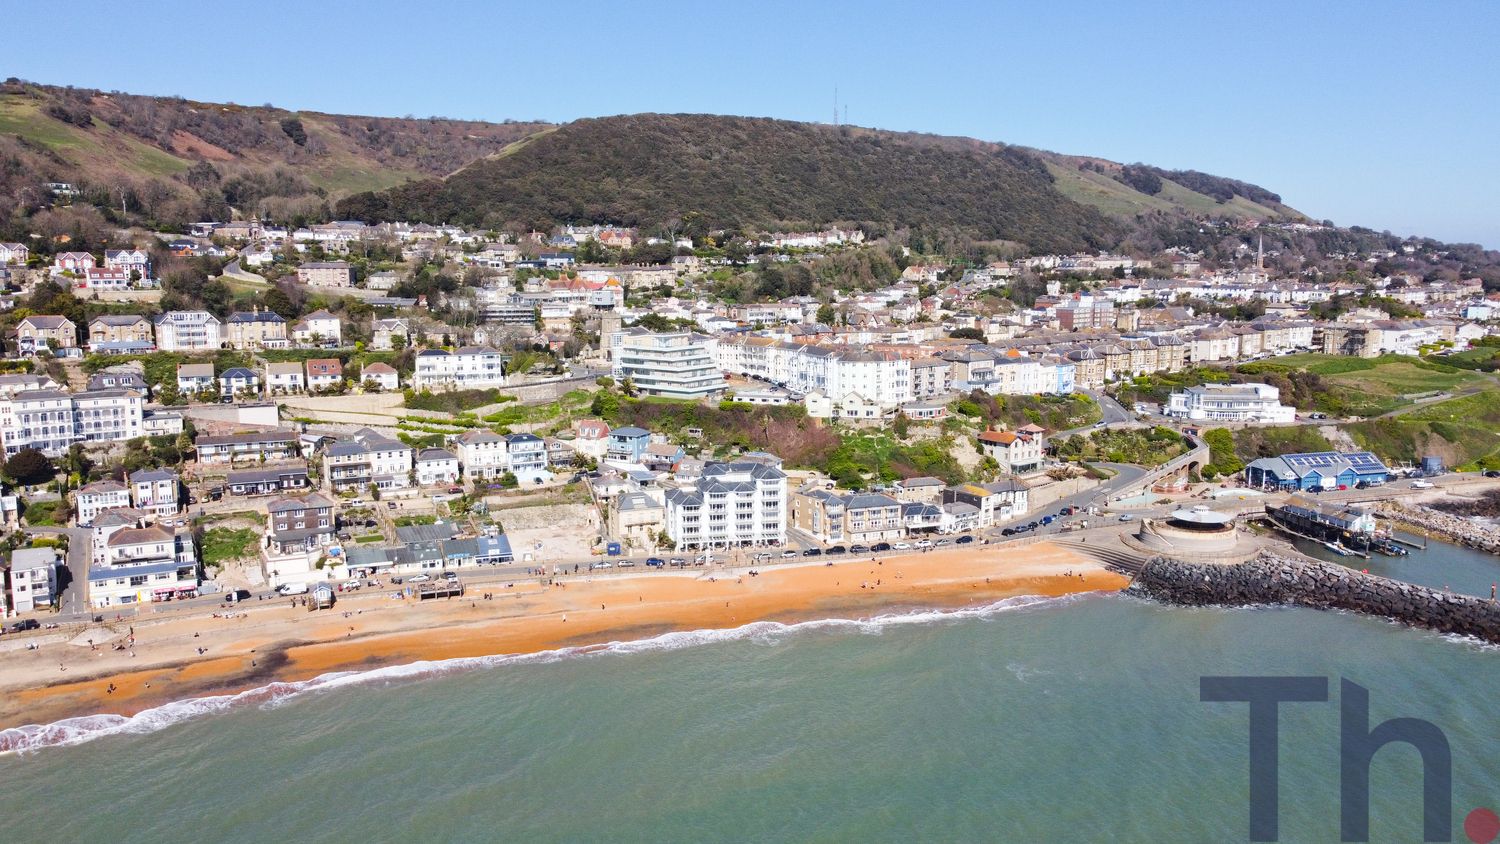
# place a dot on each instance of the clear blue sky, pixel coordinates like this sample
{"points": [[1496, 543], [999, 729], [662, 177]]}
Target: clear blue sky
{"points": [[1375, 113]]}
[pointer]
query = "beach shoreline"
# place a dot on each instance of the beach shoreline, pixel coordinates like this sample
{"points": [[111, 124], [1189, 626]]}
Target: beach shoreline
{"points": [[270, 642]]}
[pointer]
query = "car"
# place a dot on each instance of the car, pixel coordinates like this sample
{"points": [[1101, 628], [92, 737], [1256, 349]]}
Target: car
{"points": [[625, 564], [344, 535], [881, 546], [813, 552], [1492, 473], [25, 624], [396, 580], [677, 562], [419, 578], [390, 505], [655, 562], [700, 560], [602, 564], [1421, 484], [1008, 532], [942, 542], [350, 585], [788, 554], [292, 589], [371, 523], [1317, 416], [963, 540], [760, 557], [450, 575], [859, 549], [901, 546], [836, 549], [1098, 424], [1125, 517], [1362, 485], [924, 543], [455, 490], [1032, 525], [1047, 520]]}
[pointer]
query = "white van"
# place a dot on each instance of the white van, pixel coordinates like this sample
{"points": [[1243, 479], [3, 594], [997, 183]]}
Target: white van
{"points": [[293, 589]]}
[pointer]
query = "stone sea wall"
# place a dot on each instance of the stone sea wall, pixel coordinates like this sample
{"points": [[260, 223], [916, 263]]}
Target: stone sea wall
{"points": [[1272, 579], [1456, 529]]}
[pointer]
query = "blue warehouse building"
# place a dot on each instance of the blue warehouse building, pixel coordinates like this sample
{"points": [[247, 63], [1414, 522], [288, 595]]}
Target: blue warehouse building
{"points": [[1317, 470]]}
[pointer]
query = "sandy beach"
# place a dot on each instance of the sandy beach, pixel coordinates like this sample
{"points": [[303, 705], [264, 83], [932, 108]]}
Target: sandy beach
{"points": [[270, 641]]}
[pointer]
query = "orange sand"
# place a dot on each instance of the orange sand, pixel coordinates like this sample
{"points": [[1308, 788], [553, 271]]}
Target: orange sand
{"points": [[270, 641]]}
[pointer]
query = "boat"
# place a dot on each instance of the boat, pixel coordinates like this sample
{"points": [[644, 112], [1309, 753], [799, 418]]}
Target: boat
{"points": [[1391, 548], [1338, 549]]}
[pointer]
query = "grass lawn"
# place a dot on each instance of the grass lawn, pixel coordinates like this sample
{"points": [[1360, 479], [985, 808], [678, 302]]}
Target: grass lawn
{"points": [[223, 544], [1373, 386], [45, 513]]}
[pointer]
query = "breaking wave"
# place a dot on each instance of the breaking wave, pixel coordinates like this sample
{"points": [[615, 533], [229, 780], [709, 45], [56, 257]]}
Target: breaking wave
{"points": [[71, 731]]}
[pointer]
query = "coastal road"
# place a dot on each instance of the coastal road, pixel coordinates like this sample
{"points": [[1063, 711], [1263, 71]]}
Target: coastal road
{"points": [[1125, 476], [1113, 414], [74, 598]]}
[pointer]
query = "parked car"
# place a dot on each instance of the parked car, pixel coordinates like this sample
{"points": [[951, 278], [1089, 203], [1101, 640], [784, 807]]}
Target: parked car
{"points": [[25, 624], [1492, 473], [859, 549], [1008, 532], [419, 578], [602, 564], [1047, 520], [655, 562], [390, 505], [836, 549], [455, 490], [963, 540], [292, 589], [450, 575], [678, 562], [941, 542], [902, 546], [881, 546], [812, 552], [351, 585], [788, 554], [1125, 517], [924, 543], [1421, 484], [626, 564]]}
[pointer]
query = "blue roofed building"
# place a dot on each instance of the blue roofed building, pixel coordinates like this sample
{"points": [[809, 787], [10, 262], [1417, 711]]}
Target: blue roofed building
{"points": [[1317, 470]]}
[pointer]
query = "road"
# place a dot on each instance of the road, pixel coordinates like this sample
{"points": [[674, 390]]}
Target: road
{"points": [[74, 598], [1113, 414], [1125, 476]]}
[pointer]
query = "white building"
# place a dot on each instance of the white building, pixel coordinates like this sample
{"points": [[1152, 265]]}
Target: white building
{"points": [[186, 331], [879, 379], [436, 467], [33, 578], [368, 458], [319, 328], [469, 368], [97, 497], [143, 565], [51, 421], [154, 491], [382, 375], [731, 504], [285, 377], [679, 365], [1230, 403], [483, 454]]}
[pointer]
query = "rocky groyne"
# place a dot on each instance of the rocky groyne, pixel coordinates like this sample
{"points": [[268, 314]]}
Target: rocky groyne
{"points": [[1273, 579], [1456, 529]]}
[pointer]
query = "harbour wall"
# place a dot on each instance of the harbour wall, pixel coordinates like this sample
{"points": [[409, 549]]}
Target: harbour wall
{"points": [[1273, 579], [1456, 529]]}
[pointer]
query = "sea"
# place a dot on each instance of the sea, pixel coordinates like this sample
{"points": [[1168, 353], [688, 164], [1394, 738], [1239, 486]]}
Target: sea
{"points": [[1028, 720]]}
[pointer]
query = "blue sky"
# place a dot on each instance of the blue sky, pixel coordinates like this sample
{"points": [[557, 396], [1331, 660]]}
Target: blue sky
{"points": [[1374, 113]]}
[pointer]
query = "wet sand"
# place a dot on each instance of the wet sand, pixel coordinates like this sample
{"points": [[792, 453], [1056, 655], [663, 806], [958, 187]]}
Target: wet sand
{"points": [[270, 641]]}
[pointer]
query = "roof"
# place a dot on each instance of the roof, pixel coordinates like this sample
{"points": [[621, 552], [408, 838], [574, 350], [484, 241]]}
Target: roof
{"points": [[325, 366], [378, 368], [630, 431], [195, 370], [290, 502], [290, 367], [144, 476], [1201, 517], [255, 316], [428, 454], [101, 487], [238, 372], [137, 536], [248, 437], [426, 533], [118, 319], [31, 558], [46, 322]]}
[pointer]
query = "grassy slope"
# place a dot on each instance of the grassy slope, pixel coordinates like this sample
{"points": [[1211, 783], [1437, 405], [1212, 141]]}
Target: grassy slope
{"points": [[1464, 431], [101, 149], [1372, 386], [1115, 198]]}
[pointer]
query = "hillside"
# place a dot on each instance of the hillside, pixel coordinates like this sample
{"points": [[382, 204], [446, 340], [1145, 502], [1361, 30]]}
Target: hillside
{"points": [[1127, 190], [178, 160], [735, 172]]}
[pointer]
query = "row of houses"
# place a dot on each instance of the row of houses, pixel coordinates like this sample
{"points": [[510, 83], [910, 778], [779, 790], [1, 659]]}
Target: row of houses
{"points": [[181, 331]]}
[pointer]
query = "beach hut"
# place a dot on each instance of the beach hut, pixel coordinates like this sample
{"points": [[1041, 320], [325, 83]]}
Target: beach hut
{"points": [[322, 597]]}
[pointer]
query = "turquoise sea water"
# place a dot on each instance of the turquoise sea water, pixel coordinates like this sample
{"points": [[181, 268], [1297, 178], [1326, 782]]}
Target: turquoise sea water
{"points": [[1072, 719]]}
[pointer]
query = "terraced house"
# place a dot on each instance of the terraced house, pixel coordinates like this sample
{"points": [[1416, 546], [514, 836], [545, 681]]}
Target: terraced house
{"points": [[368, 459], [256, 329], [468, 368]]}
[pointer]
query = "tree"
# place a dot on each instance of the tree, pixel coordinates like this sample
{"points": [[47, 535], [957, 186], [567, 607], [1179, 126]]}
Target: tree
{"points": [[826, 314], [508, 480], [966, 334], [30, 467], [627, 386]]}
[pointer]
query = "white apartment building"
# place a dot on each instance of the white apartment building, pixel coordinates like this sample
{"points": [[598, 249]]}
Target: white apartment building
{"points": [[186, 331], [469, 368], [679, 365], [436, 466], [33, 578], [97, 497], [1230, 403], [142, 565], [483, 454], [51, 421], [730, 505], [154, 491], [368, 458], [882, 380]]}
